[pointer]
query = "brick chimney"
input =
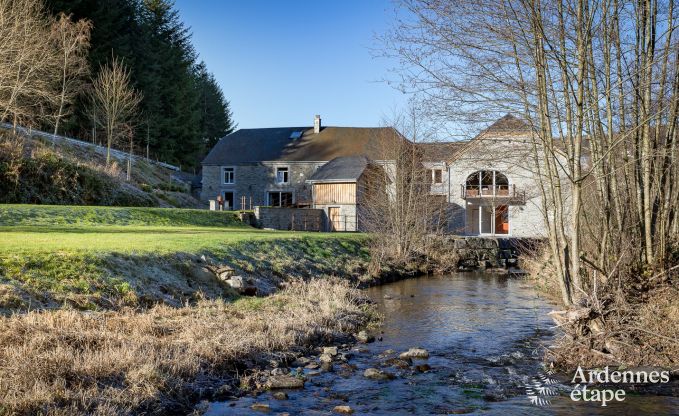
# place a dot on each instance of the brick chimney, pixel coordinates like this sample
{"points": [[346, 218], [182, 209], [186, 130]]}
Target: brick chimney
{"points": [[317, 124]]}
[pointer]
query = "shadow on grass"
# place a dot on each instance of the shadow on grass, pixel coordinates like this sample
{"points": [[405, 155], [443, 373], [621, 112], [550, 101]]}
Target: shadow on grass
{"points": [[134, 230]]}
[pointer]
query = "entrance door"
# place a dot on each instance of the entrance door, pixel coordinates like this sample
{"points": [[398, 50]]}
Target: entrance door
{"points": [[334, 216], [228, 201], [486, 219], [502, 219]]}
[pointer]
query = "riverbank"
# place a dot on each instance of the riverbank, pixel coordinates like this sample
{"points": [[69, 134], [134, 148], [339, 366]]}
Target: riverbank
{"points": [[100, 258], [480, 336], [162, 360], [630, 321], [127, 310]]}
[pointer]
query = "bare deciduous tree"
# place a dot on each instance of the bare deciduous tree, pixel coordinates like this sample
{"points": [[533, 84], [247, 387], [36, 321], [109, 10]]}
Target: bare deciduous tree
{"points": [[72, 41], [401, 212], [27, 62], [598, 81], [115, 101]]}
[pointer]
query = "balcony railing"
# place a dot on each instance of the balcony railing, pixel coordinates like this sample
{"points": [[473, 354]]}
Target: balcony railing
{"points": [[506, 193]]}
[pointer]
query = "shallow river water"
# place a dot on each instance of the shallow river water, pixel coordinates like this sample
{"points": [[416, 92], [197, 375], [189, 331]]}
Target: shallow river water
{"points": [[485, 334]]}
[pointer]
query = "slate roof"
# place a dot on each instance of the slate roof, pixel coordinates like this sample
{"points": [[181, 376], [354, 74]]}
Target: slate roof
{"points": [[341, 169], [441, 151], [275, 144], [508, 125]]}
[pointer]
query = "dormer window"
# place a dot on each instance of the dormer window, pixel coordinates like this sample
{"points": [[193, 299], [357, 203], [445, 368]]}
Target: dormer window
{"points": [[282, 175]]}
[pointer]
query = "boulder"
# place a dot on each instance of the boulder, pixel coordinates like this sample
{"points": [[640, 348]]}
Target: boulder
{"points": [[326, 367], [236, 282], [375, 374], [325, 358], [262, 407], [422, 368], [279, 371], [280, 395], [398, 362], [284, 382], [300, 362], [364, 337], [415, 353], [344, 410], [225, 272], [243, 287], [332, 351]]}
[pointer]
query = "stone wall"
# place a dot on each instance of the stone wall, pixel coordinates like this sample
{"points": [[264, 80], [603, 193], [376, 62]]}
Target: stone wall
{"points": [[473, 253], [513, 157], [348, 216], [256, 180], [297, 219]]}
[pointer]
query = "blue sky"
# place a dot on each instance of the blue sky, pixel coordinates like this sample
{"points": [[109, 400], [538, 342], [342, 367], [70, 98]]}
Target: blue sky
{"points": [[281, 62]]}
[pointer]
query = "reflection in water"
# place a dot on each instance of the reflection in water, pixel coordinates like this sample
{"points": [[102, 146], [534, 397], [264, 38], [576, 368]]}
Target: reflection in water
{"points": [[485, 334]]}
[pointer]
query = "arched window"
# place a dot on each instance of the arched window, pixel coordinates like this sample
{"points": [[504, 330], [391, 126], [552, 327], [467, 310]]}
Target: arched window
{"points": [[487, 183]]}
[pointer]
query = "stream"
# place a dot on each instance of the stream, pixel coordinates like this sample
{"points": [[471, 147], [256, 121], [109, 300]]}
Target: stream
{"points": [[485, 334]]}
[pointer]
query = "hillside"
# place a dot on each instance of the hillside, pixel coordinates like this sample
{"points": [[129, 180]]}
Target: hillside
{"points": [[35, 170]]}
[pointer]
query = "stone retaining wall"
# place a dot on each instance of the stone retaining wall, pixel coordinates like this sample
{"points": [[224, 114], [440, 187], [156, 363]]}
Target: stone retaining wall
{"points": [[297, 219], [486, 252]]}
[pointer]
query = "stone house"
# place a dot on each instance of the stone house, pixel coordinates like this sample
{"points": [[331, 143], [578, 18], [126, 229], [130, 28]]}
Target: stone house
{"points": [[281, 167], [489, 182], [340, 188]]}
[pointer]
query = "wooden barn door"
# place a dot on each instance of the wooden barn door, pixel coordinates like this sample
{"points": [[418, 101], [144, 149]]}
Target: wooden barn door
{"points": [[334, 215]]}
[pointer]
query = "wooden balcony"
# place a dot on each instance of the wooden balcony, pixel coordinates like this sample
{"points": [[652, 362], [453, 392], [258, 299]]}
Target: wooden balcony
{"points": [[506, 194]]}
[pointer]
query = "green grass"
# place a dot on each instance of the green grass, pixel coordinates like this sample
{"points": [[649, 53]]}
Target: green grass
{"points": [[26, 229], [54, 215], [92, 256]]}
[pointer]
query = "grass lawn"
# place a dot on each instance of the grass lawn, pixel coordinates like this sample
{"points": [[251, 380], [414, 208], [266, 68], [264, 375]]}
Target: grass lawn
{"points": [[26, 229]]}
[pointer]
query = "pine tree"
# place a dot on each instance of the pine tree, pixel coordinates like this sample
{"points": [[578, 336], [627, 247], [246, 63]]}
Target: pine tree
{"points": [[216, 118], [183, 110]]}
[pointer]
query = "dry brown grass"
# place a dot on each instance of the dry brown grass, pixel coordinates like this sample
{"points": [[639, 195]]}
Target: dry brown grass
{"points": [[629, 334], [541, 271], [633, 320], [69, 362]]}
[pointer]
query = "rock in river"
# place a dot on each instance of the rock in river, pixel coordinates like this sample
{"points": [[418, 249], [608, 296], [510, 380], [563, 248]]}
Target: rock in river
{"points": [[325, 358], [375, 374], [364, 337], [415, 353], [280, 395], [262, 407], [345, 410], [300, 362], [284, 382], [331, 351], [422, 368], [279, 371], [397, 362]]}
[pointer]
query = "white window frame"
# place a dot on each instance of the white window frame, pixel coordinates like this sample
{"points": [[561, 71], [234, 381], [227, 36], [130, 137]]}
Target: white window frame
{"points": [[278, 182], [492, 222], [233, 175]]}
